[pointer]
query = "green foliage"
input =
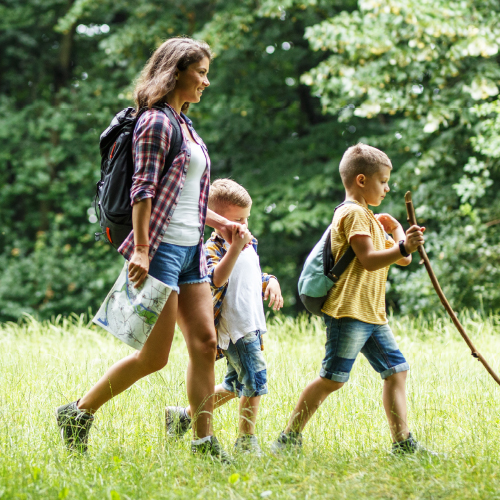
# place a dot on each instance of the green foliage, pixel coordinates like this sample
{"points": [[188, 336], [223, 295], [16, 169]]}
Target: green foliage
{"points": [[59, 90], [293, 84], [419, 75]]}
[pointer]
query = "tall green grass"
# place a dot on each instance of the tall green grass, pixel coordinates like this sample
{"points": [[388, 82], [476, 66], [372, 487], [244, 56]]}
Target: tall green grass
{"points": [[453, 409]]}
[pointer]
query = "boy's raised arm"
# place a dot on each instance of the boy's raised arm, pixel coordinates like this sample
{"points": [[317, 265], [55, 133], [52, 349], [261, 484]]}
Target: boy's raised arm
{"points": [[392, 226], [372, 260], [399, 234], [223, 269]]}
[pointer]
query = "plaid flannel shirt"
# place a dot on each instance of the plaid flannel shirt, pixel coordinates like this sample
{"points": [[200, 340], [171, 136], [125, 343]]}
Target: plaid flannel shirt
{"points": [[215, 248], [150, 146]]}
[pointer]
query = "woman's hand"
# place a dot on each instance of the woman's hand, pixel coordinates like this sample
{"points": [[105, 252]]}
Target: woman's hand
{"points": [[273, 293], [389, 223], [224, 226], [232, 230], [138, 266]]}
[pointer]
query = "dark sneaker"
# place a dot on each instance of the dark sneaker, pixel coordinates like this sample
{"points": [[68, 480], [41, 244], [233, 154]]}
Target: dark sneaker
{"points": [[291, 441], [177, 421], [211, 448], [248, 444], [411, 446], [74, 425]]}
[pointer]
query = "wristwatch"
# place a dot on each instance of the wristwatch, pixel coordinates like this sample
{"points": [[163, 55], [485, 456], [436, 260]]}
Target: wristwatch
{"points": [[402, 249]]}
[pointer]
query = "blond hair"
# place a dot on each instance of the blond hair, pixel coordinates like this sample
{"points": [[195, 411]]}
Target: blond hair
{"points": [[361, 159], [157, 78], [225, 192]]}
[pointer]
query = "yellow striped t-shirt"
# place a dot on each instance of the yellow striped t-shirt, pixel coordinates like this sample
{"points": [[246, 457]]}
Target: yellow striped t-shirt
{"points": [[358, 294]]}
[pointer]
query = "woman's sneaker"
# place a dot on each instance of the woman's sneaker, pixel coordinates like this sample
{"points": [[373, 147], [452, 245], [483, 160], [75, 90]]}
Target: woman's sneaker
{"points": [[248, 444], [177, 421], [211, 448], [291, 441], [74, 425]]}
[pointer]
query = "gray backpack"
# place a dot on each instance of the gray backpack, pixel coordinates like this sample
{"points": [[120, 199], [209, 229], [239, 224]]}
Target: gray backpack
{"points": [[320, 272]]}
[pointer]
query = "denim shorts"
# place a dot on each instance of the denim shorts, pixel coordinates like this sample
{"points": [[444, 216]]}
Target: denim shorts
{"points": [[175, 265], [246, 368], [347, 337]]}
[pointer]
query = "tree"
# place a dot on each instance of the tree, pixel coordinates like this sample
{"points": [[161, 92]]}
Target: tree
{"points": [[56, 93], [53, 265], [420, 67], [293, 84]]}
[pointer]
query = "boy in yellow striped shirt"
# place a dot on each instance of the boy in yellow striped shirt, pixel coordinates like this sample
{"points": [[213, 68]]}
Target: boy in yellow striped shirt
{"points": [[354, 311]]}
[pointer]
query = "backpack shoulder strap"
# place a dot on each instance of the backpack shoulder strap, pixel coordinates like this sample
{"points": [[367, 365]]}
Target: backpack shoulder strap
{"points": [[333, 271], [342, 264], [175, 140]]}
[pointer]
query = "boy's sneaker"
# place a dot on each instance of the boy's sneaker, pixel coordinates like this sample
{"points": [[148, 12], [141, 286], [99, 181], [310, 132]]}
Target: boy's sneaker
{"points": [[248, 444], [410, 446], [177, 421], [211, 448], [74, 425], [291, 441]]}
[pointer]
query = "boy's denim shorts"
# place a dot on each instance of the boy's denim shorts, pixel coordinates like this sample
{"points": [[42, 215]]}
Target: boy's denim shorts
{"points": [[347, 337], [246, 368], [175, 265]]}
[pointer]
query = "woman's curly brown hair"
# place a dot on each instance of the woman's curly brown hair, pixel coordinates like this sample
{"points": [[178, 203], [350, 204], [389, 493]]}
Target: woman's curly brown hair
{"points": [[157, 78]]}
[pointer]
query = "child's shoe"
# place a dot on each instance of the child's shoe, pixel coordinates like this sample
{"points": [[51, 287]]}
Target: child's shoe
{"points": [[410, 446], [291, 441], [74, 425], [177, 421], [211, 448], [248, 443]]}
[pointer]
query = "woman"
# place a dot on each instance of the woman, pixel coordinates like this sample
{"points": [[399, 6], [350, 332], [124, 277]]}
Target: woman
{"points": [[169, 214]]}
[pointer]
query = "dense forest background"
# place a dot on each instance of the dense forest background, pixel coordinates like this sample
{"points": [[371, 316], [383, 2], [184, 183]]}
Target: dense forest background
{"points": [[293, 83]]}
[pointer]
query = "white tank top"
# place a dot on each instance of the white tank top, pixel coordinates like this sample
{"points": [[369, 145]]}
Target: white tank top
{"points": [[184, 228]]}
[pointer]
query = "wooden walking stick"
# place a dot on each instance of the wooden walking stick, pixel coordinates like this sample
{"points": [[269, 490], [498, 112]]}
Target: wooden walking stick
{"points": [[412, 219]]}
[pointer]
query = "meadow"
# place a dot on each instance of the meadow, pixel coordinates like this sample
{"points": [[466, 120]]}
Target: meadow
{"points": [[453, 410]]}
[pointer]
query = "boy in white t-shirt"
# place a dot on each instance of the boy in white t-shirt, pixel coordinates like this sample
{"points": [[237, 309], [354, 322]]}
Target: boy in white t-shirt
{"points": [[238, 286]]}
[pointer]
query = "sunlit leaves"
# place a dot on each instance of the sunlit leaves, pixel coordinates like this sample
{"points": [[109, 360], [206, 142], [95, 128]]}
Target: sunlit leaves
{"points": [[421, 67]]}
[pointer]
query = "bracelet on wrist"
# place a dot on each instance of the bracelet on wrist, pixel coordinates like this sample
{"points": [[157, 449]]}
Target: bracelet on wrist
{"points": [[141, 245], [402, 249]]}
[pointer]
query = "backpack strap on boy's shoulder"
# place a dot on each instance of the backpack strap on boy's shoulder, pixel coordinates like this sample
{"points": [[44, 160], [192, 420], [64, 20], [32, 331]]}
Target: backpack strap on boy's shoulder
{"points": [[332, 270], [342, 264]]}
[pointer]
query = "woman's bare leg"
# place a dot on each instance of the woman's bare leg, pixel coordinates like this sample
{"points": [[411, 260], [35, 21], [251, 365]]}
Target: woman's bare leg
{"points": [[221, 396], [127, 371], [196, 319]]}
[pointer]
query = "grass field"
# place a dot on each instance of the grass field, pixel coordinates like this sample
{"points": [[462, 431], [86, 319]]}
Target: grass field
{"points": [[453, 409]]}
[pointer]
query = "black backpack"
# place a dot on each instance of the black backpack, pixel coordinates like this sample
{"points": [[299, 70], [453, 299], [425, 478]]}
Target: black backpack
{"points": [[112, 200]]}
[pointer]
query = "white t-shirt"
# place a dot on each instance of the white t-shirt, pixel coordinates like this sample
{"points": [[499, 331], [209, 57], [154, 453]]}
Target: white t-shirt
{"points": [[184, 228], [242, 310]]}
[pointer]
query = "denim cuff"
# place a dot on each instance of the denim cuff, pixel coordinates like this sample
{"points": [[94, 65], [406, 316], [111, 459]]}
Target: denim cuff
{"points": [[249, 394], [403, 367], [229, 388], [334, 376], [205, 279], [245, 392]]}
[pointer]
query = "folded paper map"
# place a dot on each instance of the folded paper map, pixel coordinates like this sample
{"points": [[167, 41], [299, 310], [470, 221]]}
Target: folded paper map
{"points": [[130, 313]]}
